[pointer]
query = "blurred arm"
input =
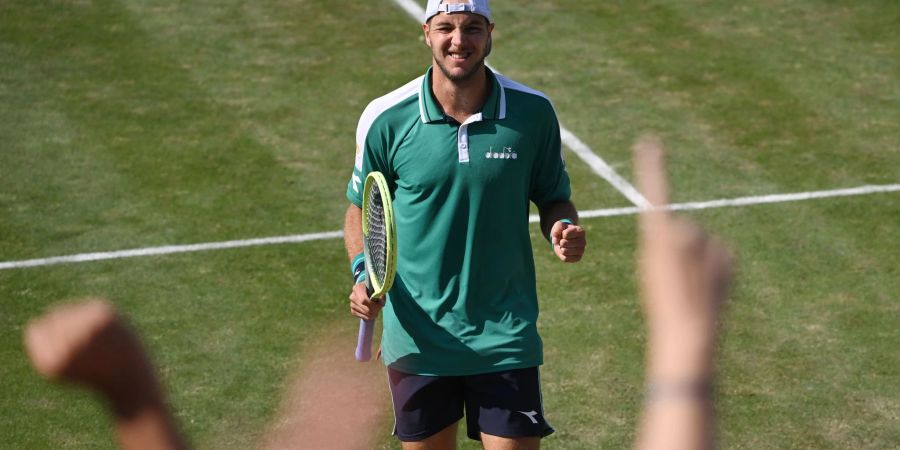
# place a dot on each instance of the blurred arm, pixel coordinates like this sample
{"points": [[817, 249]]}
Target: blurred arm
{"points": [[684, 279], [87, 343]]}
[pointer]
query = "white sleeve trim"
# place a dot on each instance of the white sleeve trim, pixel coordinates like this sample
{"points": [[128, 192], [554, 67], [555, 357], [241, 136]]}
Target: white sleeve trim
{"points": [[376, 108]]}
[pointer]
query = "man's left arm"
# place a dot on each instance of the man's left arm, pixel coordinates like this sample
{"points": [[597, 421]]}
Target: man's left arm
{"points": [[559, 221]]}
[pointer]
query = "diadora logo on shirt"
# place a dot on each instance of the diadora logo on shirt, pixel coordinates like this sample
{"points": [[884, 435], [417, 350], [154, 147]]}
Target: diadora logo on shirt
{"points": [[506, 153]]}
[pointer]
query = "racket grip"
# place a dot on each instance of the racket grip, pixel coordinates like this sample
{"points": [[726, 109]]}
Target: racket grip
{"points": [[364, 342]]}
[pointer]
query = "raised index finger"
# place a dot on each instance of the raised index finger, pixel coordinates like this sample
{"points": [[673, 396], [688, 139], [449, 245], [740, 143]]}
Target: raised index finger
{"points": [[650, 170]]}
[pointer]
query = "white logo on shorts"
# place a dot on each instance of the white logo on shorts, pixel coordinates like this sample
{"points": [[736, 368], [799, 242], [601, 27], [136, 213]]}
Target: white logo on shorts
{"points": [[530, 414]]}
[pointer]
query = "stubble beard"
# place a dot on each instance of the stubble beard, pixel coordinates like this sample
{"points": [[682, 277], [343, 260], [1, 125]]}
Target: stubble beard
{"points": [[469, 75]]}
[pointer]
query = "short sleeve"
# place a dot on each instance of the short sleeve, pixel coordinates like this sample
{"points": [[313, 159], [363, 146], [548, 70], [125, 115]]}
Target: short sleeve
{"points": [[550, 180], [371, 149]]}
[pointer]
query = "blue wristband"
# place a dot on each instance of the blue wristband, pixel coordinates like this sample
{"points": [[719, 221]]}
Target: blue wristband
{"points": [[358, 268]]}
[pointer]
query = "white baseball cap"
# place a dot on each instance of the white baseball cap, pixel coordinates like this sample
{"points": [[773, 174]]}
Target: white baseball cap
{"points": [[481, 7]]}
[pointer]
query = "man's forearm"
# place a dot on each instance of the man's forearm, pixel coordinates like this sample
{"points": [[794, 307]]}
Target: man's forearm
{"points": [[555, 212], [352, 231]]}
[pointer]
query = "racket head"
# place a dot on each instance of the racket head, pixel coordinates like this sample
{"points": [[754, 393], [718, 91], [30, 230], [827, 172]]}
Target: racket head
{"points": [[379, 234]]}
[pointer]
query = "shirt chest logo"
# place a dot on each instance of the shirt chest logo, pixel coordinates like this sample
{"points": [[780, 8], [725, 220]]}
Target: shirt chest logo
{"points": [[505, 153]]}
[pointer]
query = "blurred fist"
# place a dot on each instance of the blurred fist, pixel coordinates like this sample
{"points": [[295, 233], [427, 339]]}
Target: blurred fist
{"points": [[86, 343]]}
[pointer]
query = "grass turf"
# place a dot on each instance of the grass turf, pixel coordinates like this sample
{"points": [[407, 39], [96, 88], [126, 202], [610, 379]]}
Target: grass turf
{"points": [[128, 124]]}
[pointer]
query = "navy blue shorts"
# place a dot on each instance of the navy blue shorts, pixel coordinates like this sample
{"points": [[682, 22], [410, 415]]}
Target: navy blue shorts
{"points": [[506, 404]]}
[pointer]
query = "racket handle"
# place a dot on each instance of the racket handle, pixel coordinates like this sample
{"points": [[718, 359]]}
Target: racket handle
{"points": [[364, 342]]}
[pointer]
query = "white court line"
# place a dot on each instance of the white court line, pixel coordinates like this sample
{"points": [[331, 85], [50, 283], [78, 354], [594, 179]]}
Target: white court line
{"points": [[596, 163], [746, 201], [599, 166], [412, 8], [170, 249], [298, 238]]}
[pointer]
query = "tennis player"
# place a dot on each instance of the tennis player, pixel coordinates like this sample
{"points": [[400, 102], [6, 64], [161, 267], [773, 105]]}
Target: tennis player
{"points": [[465, 150]]}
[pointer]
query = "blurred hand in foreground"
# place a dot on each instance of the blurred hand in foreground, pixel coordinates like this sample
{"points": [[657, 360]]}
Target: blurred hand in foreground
{"points": [[685, 275], [88, 343]]}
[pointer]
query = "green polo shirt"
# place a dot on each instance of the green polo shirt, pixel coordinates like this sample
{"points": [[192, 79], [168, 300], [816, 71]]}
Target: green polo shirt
{"points": [[464, 299]]}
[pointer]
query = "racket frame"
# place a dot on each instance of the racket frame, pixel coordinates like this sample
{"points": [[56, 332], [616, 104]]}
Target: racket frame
{"points": [[374, 286]]}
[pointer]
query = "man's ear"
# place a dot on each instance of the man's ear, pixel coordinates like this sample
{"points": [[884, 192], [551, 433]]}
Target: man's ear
{"points": [[425, 29]]}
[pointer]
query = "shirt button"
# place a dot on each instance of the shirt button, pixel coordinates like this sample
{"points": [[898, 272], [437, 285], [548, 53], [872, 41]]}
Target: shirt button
{"points": [[463, 145]]}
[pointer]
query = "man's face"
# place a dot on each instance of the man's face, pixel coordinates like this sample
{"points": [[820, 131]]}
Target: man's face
{"points": [[459, 43]]}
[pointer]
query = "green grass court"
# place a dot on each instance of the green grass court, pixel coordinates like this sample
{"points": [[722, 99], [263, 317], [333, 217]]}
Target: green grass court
{"points": [[137, 124]]}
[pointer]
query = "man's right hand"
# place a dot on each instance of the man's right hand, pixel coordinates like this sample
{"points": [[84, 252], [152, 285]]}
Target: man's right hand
{"points": [[362, 306]]}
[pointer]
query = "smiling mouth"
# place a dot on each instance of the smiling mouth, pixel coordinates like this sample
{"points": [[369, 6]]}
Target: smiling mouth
{"points": [[459, 56]]}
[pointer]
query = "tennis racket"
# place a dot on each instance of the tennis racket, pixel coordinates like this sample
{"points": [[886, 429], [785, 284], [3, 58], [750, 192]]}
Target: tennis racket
{"points": [[380, 249]]}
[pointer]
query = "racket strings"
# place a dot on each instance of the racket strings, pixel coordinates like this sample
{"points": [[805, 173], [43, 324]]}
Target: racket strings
{"points": [[376, 239]]}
